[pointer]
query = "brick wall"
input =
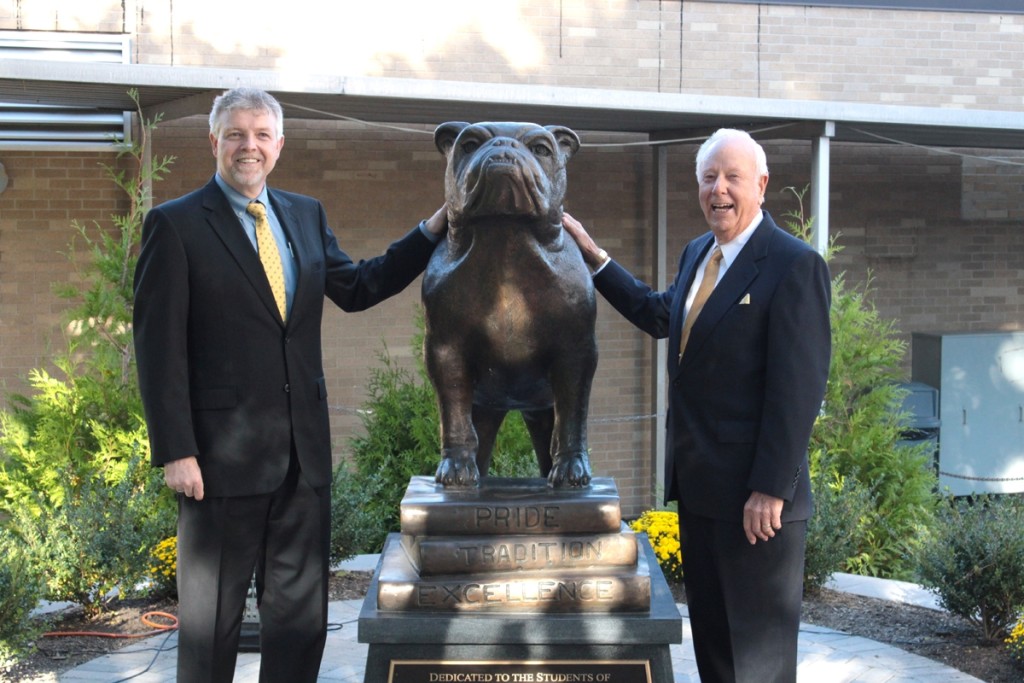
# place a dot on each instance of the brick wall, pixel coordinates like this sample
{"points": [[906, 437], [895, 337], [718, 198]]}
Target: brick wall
{"points": [[940, 233], [898, 212], [46, 192], [947, 59]]}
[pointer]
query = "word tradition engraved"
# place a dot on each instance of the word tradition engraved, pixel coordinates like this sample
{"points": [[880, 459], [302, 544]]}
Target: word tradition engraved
{"points": [[510, 555]]}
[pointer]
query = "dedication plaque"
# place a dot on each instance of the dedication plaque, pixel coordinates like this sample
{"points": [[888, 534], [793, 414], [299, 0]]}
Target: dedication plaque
{"points": [[580, 671]]}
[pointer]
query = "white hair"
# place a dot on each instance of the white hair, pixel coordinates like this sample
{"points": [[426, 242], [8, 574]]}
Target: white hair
{"points": [[731, 134]]}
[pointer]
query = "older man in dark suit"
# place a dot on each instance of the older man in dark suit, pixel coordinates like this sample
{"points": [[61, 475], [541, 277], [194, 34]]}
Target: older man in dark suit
{"points": [[747, 320], [229, 296]]}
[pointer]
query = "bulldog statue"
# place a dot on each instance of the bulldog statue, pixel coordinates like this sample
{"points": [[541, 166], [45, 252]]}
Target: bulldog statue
{"points": [[509, 303]]}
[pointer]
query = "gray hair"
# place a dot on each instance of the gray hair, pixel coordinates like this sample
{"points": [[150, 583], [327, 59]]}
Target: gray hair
{"points": [[731, 134], [246, 99]]}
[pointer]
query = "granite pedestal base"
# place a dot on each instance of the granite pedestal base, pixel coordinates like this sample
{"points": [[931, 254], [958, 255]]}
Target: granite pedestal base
{"points": [[415, 647]]}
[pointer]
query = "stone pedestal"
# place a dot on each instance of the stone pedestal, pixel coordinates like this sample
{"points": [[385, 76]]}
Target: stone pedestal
{"points": [[517, 582]]}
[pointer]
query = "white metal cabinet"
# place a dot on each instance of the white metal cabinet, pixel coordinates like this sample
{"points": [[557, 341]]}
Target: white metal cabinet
{"points": [[980, 378]]}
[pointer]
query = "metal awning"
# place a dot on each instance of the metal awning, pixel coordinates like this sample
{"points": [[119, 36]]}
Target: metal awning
{"points": [[184, 91]]}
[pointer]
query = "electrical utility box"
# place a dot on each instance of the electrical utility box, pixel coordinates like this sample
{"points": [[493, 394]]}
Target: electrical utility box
{"points": [[980, 382]]}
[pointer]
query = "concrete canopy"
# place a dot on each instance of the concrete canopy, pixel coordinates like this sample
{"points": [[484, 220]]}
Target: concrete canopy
{"points": [[184, 91]]}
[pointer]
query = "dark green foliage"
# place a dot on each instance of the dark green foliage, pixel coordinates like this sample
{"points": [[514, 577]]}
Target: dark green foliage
{"points": [[402, 440], [100, 538], [861, 428], [973, 559], [76, 488], [20, 591], [861, 425], [355, 528], [834, 532]]}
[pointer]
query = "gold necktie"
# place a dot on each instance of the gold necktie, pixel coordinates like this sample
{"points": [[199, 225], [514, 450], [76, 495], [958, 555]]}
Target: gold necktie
{"points": [[270, 256], [707, 284]]}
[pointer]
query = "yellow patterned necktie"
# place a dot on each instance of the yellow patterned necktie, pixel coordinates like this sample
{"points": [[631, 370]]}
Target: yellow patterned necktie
{"points": [[707, 284], [270, 256]]}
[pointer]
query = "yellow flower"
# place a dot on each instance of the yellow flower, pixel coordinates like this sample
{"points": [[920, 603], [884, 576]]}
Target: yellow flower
{"points": [[165, 565], [1015, 642], [662, 529]]}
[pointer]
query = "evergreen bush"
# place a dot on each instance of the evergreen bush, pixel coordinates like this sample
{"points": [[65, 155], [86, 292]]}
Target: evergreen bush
{"points": [[100, 539], [973, 560], [834, 532], [355, 525], [402, 439], [75, 486], [20, 592], [857, 436]]}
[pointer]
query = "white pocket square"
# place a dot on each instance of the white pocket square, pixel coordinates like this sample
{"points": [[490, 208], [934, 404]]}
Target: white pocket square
{"points": [[745, 300]]}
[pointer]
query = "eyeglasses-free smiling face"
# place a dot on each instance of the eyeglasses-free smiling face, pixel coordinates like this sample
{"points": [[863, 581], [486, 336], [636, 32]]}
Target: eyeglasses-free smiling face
{"points": [[731, 187], [247, 146]]}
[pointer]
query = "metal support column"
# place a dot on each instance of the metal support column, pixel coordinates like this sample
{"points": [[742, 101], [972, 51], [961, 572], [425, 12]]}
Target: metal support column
{"points": [[820, 151], [659, 260]]}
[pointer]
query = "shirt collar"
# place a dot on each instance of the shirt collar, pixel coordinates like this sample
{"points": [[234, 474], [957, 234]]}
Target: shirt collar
{"points": [[239, 201], [732, 248]]}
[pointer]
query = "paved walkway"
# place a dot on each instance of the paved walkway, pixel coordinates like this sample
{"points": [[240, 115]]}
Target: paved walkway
{"points": [[826, 656]]}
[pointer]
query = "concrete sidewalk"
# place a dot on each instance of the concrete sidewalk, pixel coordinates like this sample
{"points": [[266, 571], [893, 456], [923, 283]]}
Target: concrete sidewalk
{"points": [[826, 656]]}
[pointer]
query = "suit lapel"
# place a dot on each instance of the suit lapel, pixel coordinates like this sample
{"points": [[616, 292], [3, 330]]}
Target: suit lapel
{"points": [[226, 225], [734, 284], [687, 272]]}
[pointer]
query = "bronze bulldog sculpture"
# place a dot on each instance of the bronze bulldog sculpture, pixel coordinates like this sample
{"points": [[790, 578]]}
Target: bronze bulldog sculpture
{"points": [[509, 303]]}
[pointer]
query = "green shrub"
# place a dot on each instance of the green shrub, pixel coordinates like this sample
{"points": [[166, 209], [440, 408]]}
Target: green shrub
{"points": [[861, 426], [402, 440], [355, 526], [100, 539], [834, 530], [76, 488], [20, 591], [973, 560]]}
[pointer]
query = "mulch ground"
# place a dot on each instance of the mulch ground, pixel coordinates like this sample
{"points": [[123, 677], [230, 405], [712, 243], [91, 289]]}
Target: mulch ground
{"points": [[928, 633]]}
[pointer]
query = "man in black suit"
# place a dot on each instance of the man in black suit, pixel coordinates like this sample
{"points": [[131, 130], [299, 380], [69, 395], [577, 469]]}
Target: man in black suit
{"points": [[228, 304], [745, 387]]}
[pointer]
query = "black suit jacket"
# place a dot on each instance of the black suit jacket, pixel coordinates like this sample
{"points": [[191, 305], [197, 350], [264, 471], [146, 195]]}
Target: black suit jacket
{"points": [[221, 376], [744, 397]]}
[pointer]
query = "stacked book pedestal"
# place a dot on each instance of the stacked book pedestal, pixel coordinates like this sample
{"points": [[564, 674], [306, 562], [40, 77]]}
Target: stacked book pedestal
{"points": [[515, 581]]}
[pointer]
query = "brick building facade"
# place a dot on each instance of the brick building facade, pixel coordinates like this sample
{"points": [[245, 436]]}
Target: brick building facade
{"points": [[939, 230]]}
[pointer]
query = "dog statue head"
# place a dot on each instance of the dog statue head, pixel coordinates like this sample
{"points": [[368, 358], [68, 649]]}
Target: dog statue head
{"points": [[505, 170]]}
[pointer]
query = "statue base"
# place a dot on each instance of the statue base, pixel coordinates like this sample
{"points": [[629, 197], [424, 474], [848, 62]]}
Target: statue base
{"points": [[413, 646]]}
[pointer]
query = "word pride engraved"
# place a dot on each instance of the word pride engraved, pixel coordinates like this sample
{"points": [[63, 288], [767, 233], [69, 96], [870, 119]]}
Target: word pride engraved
{"points": [[509, 506]]}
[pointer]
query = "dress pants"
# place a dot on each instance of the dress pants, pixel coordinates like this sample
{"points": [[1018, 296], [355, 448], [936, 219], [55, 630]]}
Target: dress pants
{"points": [[744, 600], [284, 536]]}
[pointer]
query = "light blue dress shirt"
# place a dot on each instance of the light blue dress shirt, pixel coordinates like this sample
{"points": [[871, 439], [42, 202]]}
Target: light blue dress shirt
{"points": [[239, 203]]}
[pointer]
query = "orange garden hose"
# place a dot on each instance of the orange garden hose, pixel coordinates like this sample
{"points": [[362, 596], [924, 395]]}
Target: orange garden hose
{"points": [[147, 619]]}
